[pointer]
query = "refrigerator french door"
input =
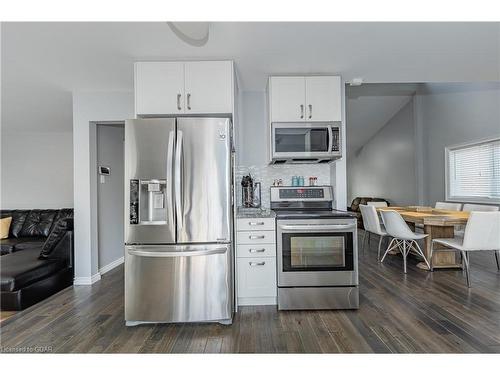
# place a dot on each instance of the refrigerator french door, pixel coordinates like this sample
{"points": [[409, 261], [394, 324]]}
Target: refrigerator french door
{"points": [[178, 223]]}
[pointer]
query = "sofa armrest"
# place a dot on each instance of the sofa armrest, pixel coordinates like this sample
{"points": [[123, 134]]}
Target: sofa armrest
{"points": [[64, 249]]}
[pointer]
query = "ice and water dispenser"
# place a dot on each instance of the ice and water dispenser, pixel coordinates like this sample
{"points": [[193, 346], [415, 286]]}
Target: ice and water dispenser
{"points": [[147, 202]]}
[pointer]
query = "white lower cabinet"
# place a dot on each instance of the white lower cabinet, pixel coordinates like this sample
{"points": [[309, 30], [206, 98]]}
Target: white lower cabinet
{"points": [[256, 262], [257, 281]]}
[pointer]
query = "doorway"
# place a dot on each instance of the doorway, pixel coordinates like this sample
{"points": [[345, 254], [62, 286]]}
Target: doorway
{"points": [[110, 195]]}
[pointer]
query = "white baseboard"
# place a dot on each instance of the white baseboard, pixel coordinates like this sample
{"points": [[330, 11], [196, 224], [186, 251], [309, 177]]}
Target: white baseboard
{"points": [[87, 280], [255, 301], [108, 267], [94, 278]]}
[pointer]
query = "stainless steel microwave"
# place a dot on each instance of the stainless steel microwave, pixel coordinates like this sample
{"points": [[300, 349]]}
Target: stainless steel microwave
{"points": [[305, 142]]}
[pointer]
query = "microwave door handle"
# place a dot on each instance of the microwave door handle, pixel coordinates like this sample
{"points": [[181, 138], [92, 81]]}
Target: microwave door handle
{"points": [[178, 180], [330, 139], [170, 184]]}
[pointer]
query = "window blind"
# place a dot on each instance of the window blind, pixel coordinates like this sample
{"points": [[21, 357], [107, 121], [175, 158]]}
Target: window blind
{"points": [[474, 171]]}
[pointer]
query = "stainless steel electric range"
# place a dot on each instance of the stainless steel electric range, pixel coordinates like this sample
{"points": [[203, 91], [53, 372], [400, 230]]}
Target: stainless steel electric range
{"points": [[317, 246]]}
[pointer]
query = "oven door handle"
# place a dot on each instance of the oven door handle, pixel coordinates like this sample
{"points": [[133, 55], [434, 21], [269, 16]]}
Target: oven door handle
{"points": [[314, 227]]}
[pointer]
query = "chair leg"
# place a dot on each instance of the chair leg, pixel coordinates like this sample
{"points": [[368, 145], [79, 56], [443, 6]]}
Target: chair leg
{"points": [[389, 248], [430, 256], [497, 257], [405, 252], [467, 271], [421, 253], [380, 244], [363, 241]]}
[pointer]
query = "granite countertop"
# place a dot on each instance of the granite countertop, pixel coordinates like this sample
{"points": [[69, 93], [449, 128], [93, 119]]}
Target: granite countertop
{"points": [[243, 213]]}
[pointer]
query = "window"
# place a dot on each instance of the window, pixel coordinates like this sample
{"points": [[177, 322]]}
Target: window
{"points": [[473, 172]]}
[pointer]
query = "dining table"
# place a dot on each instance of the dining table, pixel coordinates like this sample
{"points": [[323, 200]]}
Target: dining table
{"points": [[436, 223]]}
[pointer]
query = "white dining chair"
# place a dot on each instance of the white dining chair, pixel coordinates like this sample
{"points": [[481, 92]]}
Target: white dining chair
{"points": [[377, 204], [460, 229], [404, 238], [448, 206], [371, 223], [480, 207], [482, 233]]}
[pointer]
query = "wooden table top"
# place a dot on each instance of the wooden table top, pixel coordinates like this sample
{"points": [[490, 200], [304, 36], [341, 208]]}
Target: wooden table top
{"points": [[430, 216]]}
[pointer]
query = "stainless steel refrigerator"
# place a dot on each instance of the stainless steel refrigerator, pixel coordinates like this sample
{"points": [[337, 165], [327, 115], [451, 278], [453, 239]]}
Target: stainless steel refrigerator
{"points": [[178, 222]]}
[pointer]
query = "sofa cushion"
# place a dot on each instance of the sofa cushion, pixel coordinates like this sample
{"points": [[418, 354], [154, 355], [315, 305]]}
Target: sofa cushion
{"points": [[5, 226], [57, 233], [63, 213], [38, 223], [18, 219], [9, 245], [22, 268]]}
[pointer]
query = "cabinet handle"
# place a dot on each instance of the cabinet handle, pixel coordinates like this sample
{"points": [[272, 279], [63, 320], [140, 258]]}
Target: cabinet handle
{"points": [[302, 111], [253, 223], [256, 250], [188, 101], [179, 102], [310, 111], [256, 237], [255, 264]]}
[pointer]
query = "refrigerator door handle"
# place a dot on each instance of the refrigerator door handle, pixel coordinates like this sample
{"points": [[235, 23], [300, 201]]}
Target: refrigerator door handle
{"points": [[178, 180], [173, 254], [170, 185]]}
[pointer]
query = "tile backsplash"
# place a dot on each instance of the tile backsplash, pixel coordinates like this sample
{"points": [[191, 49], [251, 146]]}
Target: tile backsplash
{"points": [[266, 174]]}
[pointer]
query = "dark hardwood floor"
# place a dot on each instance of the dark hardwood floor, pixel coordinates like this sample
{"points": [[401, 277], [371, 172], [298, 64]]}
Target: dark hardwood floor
{"points": [[419, 312]]}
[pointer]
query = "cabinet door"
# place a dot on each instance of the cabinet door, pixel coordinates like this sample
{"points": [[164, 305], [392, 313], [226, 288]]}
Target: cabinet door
{"points": [[287, 99], [323, 98], [159, 88], [209, 87], [256, 277]]}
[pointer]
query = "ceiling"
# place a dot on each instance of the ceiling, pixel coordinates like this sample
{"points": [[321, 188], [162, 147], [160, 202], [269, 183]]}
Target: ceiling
{"points": [[42, 63]]}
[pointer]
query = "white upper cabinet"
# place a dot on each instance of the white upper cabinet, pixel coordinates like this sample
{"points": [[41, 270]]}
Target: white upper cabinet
{"points": [[305, 98], [323, 98], [171, 88], [209, 87], [287, 99], [159, 87]]}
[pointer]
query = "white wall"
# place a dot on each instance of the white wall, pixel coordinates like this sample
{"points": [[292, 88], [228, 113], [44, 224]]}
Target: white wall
{"points": [[110, 195], [385, 166], [451, 114], [37, 169], [89, 108]]}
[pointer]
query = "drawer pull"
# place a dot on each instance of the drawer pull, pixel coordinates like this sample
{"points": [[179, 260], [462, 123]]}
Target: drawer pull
{"points": [[253, 223], [255, 264], [256, 237], [256, 250]]}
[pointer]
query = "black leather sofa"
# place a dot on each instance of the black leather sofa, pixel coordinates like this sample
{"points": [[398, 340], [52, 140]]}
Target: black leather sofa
{"points": [[30, 271], [356, 202]]}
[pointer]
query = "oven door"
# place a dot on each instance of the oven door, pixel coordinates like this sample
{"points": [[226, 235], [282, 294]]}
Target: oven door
{"points": [[299, 140], [319, 252]]}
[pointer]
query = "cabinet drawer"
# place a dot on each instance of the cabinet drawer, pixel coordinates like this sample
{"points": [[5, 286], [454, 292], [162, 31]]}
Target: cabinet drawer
{"points": [[255, 237], [255, 224], [250, 251], [256, 277]]}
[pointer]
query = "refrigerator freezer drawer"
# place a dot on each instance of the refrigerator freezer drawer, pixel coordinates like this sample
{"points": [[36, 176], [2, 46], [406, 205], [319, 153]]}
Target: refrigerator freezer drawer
{"points": [[169, 284]]}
